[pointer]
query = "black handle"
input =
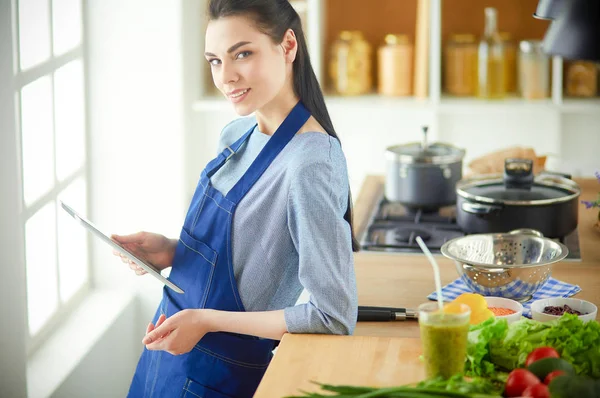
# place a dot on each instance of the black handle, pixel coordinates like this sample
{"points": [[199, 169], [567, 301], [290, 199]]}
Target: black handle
{"points": [[375, 316], [384, 314], [518, 173], [374, 308]]}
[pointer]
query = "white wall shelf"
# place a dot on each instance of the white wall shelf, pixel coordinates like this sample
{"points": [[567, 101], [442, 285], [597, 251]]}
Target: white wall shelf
{"points": [[372, 100], [447, 104], [513, 105], [313, 14], [581, 105]]}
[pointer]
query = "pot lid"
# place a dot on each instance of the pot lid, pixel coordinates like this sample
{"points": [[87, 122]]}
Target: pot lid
{"points": [[423, 152], [434, 153], [544, 190]]}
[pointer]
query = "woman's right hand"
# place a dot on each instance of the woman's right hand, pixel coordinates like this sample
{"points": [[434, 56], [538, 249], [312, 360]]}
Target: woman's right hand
{"points": [[157, 249]]}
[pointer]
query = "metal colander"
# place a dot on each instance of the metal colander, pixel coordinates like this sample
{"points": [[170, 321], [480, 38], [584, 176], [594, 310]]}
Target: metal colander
{"points": [[512, 265]]}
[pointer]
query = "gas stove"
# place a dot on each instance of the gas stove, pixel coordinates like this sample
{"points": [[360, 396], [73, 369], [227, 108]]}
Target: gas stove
{"points": [[393, 229]]}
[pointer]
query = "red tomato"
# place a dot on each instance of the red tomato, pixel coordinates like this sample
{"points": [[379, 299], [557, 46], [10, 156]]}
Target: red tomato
{"points": [[552, 375], [518, 380], [537, 391], [539, 353]]}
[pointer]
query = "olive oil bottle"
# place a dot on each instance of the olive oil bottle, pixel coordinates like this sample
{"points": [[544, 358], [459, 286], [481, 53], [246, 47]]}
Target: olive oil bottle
{"points": [[491, 71]]}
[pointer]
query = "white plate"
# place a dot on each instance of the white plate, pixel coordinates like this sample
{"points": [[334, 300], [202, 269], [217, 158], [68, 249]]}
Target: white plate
{"points": [[92, 228]]}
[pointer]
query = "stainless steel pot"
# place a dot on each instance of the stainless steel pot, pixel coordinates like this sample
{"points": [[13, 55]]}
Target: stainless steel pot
{"points": [[422, 175], [547, 203]]}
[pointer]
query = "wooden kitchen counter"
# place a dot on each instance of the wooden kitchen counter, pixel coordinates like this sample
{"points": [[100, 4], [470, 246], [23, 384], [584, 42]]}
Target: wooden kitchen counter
{"points": [[386, 353]]}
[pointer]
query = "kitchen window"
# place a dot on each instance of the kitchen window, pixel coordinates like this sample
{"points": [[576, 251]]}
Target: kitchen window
{"points": [[50, 103]]}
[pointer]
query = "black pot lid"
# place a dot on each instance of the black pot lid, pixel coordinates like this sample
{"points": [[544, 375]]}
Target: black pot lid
{"points": [[544, 190], [437, 153]]}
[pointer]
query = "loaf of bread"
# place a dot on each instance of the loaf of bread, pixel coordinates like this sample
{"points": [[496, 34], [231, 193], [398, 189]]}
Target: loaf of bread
{"points": [[493, 163]]}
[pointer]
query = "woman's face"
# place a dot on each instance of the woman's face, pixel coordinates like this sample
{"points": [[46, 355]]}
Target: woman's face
{"points": [[247, 67]]}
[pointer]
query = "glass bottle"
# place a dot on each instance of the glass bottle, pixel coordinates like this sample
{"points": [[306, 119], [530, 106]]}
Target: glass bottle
{"points": [[491, 70], [510, 62]]}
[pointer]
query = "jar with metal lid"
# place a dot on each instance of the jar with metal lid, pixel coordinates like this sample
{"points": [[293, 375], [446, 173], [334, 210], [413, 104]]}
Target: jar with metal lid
{"points": [[350, 64], [510, 62], [395, 63], [581, 80], [534, 70], [460, 65], [423, 175]]}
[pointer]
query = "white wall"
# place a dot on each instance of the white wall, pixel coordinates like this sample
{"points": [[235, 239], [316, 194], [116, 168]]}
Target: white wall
{"points": [[12, 283], [367, 126], [106, 369]]}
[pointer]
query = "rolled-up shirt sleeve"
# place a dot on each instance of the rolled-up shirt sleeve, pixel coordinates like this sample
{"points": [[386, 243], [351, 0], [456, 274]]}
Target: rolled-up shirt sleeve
{"points": [[317, 202]]}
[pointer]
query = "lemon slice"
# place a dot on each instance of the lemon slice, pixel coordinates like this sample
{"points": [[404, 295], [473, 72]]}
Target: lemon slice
{"points": [[475, 301], [453, 308], [481, 316]]}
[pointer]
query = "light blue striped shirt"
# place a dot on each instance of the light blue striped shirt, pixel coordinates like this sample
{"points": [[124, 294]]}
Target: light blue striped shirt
{"points": [[289, 231]]}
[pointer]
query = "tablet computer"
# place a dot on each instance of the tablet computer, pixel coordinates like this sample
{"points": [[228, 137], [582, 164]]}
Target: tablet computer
{"points": [[92, 228]]}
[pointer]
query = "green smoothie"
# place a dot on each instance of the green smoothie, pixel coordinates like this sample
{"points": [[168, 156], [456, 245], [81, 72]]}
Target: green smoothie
{"points": [[444, 341]]}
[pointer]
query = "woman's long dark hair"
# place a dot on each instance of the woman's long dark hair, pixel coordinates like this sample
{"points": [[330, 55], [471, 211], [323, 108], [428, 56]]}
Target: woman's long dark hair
{"points": [[274, 18]]}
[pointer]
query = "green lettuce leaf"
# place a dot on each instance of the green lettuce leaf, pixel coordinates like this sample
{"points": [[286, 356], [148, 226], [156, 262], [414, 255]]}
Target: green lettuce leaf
{"points": [[479, 339], [575, 341]]}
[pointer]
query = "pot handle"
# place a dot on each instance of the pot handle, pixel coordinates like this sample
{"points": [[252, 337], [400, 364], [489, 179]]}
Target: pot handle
{"points": [[478, 208], [548, 173]]}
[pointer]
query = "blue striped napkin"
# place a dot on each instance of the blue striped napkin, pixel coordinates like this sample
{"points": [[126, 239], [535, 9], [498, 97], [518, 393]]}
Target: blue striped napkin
{"points": [[552, 288]]}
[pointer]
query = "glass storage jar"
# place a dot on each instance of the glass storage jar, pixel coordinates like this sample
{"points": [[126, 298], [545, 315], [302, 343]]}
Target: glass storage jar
{"points": [[350, 64], [581, 80], [460, 65], [395, 60], [534, 70]]}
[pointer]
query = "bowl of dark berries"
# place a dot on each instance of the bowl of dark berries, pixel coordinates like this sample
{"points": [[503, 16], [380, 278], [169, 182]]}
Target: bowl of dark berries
{"points": [[549, 309]]}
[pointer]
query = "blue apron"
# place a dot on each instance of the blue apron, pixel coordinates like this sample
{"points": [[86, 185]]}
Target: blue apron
{"points": [[220, 364]]}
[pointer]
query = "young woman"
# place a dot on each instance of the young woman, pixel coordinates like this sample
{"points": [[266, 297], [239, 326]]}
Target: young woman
{"points": [[271, 215]]}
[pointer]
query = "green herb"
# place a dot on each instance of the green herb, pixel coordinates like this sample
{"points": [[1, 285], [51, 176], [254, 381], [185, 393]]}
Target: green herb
{"points": [[455, 387], [458, 383]]}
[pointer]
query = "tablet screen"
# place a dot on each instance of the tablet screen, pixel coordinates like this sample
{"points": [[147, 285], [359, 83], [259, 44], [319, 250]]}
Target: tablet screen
{"points": [[95, 231]]}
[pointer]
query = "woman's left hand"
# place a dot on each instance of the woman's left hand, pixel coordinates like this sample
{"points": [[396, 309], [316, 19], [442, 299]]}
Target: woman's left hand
{"points": [[178, 334]]}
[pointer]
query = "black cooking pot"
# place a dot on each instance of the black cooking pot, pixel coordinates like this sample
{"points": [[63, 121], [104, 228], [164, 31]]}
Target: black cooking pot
{"points": [[547, 203], [423, 176]]}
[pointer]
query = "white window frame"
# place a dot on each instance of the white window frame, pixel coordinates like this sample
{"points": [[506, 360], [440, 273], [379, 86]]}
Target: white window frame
{"points": [[21, 79]]}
